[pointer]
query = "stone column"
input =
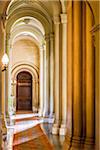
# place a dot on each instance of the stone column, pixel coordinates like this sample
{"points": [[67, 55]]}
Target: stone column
{"points": [[12, 90], [1, 37], [96, 34], [55, 128], [77, 74], [37, 95], [90, 82], [14, 97], [7, 74], [41, 80], [2, 83], [34, 96], [46, 77], [64, 74], [51, 74], [74, 117], [67, 142]]}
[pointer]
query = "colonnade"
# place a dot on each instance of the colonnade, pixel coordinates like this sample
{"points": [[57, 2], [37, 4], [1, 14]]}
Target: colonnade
{"points": [[50, 82], [74, 111], [80, 55], [67, 67]]}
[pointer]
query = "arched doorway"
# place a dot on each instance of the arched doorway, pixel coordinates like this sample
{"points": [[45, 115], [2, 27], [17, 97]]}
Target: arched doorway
{"points": [[24, 91]]}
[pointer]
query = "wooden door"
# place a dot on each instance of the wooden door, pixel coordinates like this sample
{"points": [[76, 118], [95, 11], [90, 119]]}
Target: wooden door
{"points": [[24, 91]]}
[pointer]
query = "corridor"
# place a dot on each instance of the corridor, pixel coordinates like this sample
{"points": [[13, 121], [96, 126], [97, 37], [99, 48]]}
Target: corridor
{"points": [[31, 132], [49, 74]]}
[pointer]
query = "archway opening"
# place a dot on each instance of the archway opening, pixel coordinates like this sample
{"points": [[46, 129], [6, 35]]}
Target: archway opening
{"points": [[24, 91]]}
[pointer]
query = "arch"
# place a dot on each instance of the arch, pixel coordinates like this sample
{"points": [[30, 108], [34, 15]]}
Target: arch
{"points": [[28, 11], [32, 31], [35, 83], [31, 68], [21, 35], [17, 4], [24, 91], [93, 17]]}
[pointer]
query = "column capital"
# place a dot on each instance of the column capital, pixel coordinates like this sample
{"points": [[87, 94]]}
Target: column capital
{"points": [[56, 19], [63, 18]]}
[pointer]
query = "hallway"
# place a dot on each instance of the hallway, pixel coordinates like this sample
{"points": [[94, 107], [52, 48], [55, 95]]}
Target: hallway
{"points": [[32, 132], [49, 68]]}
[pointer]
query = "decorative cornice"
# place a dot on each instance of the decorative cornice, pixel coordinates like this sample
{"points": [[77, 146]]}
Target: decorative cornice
{"points": [[95, 28]]}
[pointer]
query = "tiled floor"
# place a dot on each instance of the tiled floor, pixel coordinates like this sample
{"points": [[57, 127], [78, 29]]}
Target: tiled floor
{"points": [[57, 141]]}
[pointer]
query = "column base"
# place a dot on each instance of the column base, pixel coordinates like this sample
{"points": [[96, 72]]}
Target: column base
{"points": [[55, 129], [67, 142], [76, 143], [45, 114], [40, 113], [4, 128], [51, 115], [34, 109], [63, 129], [89, 144], [73, 143]]}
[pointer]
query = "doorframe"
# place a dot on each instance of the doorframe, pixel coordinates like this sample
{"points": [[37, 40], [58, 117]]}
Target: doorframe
{"points": [[17, 86], [35, 84]]}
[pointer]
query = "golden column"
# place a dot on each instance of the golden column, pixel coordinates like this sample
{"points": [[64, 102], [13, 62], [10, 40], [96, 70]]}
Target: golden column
{"points": [[64, 74], [1, 102], [74, 74], [69, 75], [90, 81], [3, 129], [55, 128], [77, 74]]}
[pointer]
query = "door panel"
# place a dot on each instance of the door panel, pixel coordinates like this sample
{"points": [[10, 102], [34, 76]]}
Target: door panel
{"points": [[24, 91]]}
